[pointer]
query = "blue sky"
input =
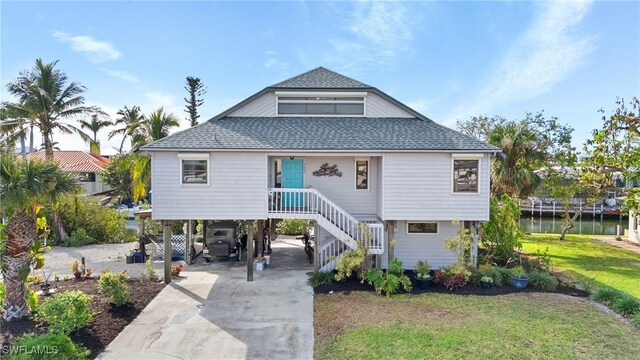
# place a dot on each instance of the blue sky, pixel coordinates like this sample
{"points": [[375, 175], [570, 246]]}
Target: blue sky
{"points": [[448, 60]]}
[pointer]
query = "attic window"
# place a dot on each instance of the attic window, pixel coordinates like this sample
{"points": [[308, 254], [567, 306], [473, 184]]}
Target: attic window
{"points": [[321, 105]]}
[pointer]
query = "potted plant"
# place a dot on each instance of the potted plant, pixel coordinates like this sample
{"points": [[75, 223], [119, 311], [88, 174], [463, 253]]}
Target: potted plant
{"points": [[176, 269], [519, 278], [423, 277], [259, 263], [486, 282]]}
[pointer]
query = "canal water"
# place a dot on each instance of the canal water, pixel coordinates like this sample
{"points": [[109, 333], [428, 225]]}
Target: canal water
{"points": [[585, 227]]}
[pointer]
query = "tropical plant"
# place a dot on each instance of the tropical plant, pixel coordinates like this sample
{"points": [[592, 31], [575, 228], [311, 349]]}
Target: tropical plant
{"points": [[292, 226], [66, 311], [94, 126], [486, 279], [501, 236], [320, 278], [422, 269], [156, 126], [543, 280], [388, 282], [25, 185], [65, 349], [149, 270], [196, 90], [460, 244], [100, 224], [453, 277], [46, 100], [352, 261], [500, 275], [519, 272], [114, 287], [130, 120]]}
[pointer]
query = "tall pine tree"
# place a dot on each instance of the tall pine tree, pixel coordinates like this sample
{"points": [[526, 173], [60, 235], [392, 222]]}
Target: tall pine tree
{"points": [[196, 90]]}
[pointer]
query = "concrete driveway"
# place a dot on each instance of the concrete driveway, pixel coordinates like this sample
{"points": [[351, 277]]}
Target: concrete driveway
{"points": [[213, 313]]}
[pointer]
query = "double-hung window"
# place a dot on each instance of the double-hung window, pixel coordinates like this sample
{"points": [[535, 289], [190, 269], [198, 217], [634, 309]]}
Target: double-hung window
{"points": [[194, 168]]}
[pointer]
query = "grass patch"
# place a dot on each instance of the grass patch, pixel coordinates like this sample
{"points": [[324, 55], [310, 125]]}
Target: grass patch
{"points": [[443, 326], [581, 255]]}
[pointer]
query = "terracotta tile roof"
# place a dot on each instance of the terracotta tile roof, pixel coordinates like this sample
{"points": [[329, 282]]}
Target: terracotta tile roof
{"points": [[76, 160]]}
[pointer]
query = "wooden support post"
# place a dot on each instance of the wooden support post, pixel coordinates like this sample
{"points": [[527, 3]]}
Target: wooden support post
{"points": [[316, 247], [141, 227], [260, 237], [390, 238], [166, 234], [474, 244], [249, 250], [189, 242]]}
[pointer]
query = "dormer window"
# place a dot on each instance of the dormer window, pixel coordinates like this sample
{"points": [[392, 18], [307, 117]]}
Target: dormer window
{"points": [[320, 105]]}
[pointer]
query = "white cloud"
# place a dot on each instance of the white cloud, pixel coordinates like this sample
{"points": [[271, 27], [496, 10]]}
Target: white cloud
{"points": [[122, 75], [269, 63], [97, 51], [380, 31], [543, 56], [158, 99]]}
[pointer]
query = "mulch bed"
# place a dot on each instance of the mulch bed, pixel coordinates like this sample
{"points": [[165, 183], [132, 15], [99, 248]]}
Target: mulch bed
{"points": [[353, 284], [107, 323]]}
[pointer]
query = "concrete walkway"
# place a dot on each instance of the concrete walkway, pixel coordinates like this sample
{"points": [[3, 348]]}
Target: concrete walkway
{"points": [[624, 244], [213, 313]]}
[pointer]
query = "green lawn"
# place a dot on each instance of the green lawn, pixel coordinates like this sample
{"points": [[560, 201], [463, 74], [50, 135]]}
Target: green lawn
{"points": [[363, 325], [580, 254]]}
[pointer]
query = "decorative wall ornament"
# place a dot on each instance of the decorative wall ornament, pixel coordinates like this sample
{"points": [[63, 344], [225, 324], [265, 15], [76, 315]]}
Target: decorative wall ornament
{"points": [[326, 170]]}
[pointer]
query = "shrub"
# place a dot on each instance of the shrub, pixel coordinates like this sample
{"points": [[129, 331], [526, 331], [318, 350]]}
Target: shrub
{"points": [[543, 280], [79, 237], [501, 276], [114, 287], [292, 227], [390, 281], [422, 269], [320, 278], [626, 305], [66, 311], [486, 279], [501, 235], [607, 295], [32, 300], [100, 223], [350, 262], [635, 319], [149, 270], [460, 244], [454, 277], [64, 348]]}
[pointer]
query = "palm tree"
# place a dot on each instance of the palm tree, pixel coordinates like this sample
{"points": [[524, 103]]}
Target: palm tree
{"points": [[26, 184], [513, 172], [130, 119], [95, 125], [157, 126], [44, 96]]}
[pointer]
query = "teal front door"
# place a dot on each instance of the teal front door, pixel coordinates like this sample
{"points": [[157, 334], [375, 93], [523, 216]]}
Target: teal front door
{"points": [[292, 178]]}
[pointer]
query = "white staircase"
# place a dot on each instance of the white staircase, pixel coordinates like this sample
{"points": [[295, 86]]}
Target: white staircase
{"points": [[347, 230]]}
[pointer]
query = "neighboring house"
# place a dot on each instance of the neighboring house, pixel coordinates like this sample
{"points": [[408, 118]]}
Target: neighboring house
{"points": [[84, 165], [326, 147]]}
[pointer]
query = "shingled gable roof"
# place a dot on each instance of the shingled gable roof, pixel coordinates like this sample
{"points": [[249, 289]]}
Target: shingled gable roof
{"points": [[320, 133]]}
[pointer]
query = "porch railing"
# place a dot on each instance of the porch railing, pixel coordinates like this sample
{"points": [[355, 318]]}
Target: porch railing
{"points": [[311, 204]]}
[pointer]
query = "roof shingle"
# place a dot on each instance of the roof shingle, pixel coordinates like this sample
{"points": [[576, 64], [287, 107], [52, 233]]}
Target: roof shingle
{"points": [[321, 78], [320, 133]]}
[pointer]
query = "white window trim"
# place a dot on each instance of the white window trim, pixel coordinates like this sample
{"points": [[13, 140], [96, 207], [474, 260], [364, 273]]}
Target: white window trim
{"points": [[194, 156], [455, 157], [406, 228], [363, 95], [355, 173]]}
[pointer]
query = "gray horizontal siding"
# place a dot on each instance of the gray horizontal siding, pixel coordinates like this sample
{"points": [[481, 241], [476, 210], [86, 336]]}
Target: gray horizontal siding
{"points": [[263, 106], [410, 248], [341, 190], [379, 107], [418, 187], [236, 190]]}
